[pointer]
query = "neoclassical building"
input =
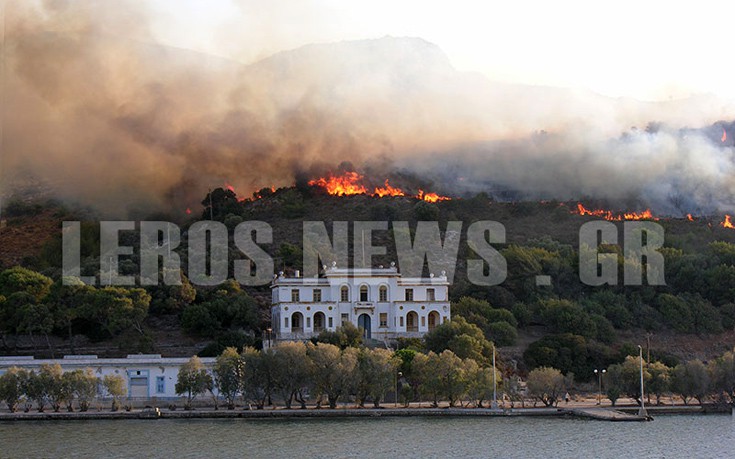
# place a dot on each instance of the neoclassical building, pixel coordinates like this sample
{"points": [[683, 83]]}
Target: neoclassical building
{"points": [[378, 300]]}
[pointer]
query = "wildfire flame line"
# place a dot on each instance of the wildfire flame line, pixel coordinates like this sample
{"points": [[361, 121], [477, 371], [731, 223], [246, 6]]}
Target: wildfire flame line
{"points": [[727, 223], [349, 183], [613, 216]]}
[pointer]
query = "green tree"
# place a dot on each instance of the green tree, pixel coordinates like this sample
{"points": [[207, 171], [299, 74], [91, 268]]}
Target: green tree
{"points": [[228, 374], [115, 387], [631, 377], [257, 382], [292, 371], [690, 380], [18, 279], [462, 338], [167, 299], [39, 387], [333, 370], [11, 387], [116, 309], [480, 387], [193, 380], [345, 336], [547, 385], [722, 370], [58, 392], [374, 373], [82, 385], [660, 382]]}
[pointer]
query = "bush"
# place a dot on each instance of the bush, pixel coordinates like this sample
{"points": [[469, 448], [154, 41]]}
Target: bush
{"points": [[426, 211], [502, 333]]}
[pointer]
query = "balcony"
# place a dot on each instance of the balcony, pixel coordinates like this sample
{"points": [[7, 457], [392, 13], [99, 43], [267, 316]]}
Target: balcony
{"points": [[364, 305]]}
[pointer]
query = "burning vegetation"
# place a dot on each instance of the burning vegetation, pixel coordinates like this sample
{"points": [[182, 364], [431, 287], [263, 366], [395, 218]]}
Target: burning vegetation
{"points": [[351, 183], [614, 216]]}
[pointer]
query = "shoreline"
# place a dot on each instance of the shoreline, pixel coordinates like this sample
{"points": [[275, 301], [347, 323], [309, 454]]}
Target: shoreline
{"points": [[351, 412]]}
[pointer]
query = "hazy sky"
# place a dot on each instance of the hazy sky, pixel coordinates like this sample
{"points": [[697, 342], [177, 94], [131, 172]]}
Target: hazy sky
{"points": [[643, 49]]}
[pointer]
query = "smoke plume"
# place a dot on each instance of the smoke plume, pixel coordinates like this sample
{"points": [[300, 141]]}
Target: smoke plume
{"points": [[129, 124]]}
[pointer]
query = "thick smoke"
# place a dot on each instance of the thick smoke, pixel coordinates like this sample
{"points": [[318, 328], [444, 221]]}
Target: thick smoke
{"points": [[128, 124]]}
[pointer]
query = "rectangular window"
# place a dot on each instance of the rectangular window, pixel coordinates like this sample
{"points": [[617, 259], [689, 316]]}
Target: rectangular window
{"points": [[409, 294], [317, 295], [308, 322], [423, 321], [383, 319], [331, 323], [430, 294], [285, 322], [160, 384], [345, 319], [344, 294], [295, 295], [383, 295], [401, 321]]}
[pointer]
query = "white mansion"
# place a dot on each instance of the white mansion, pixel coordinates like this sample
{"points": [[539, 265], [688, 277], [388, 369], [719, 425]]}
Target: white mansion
{"points": [[378, 300]]}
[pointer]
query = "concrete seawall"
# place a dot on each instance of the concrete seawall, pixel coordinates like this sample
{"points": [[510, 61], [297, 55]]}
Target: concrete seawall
{"points": [[153, 413]]}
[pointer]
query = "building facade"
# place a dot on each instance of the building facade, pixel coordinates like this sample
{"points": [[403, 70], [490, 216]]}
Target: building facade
{"points": [[148, 376], [380, 301]]}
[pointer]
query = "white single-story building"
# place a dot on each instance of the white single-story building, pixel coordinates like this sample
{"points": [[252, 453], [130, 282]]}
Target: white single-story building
{"points": [[379, 300], [147, 375]]}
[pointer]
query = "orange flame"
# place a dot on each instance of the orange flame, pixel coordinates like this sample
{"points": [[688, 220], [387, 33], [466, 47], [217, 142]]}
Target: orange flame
{"points": [[610, 215], [724, 135], [349, 183], [388, 190], [690, 218], [727, 223], [431, 197], [346, 184], [230, 187]]}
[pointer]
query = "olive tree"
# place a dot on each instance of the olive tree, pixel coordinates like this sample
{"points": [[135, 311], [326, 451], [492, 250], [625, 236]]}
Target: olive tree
{"points": [[11, 387], [333, 370], [547, 385], [115, 387], [228, 371], [193, 380], [292, 371]]}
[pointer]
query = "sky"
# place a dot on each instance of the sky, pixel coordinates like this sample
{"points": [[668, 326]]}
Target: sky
{"points": [[651, 50]]}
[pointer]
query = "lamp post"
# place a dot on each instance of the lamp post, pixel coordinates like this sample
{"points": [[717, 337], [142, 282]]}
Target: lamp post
{"points": [[599, 374], [494, 406], [642, 411], [268, 336], [397, 377]]}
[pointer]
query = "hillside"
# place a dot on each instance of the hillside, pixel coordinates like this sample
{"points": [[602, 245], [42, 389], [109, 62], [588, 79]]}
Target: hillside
{"points": [[693, 316]]}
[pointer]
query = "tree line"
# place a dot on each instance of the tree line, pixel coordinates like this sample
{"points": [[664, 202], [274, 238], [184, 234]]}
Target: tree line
{"points": [[50, 386], [294, 372]]}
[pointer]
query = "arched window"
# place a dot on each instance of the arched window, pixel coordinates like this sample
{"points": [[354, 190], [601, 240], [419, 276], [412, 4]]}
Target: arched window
{"points": [[344, 294], [318, 321], [383, 294], [412, 322], [364, 293], [433, 320]]}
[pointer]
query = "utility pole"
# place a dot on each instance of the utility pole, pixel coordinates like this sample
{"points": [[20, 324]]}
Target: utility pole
{"points": [[211, 207], [2, 99]]}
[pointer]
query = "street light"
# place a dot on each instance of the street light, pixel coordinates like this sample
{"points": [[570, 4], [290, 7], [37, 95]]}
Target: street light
{"points": [[642, 411], [397, 377], [494, 405], [599, 374], [268, 336]]}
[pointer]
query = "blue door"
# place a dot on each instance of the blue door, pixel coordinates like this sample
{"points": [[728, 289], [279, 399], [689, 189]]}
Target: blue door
{"points": [[364, 322]]}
